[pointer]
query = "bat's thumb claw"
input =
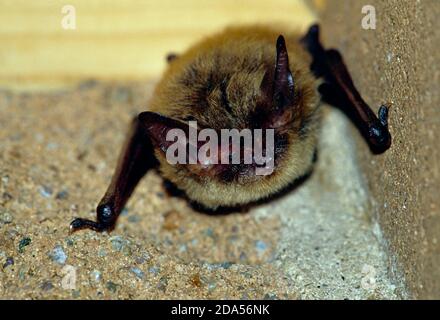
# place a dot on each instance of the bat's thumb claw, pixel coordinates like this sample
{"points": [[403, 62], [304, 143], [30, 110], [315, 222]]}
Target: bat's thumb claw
{"points": [[383, 115], [75, 225]]}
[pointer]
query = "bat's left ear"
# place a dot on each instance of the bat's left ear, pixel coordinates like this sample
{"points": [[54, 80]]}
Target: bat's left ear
{"points": [[157, 127]]}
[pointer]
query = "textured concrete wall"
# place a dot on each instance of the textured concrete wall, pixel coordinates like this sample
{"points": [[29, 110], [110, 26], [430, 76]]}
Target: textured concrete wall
{"points": [[399, 63]]}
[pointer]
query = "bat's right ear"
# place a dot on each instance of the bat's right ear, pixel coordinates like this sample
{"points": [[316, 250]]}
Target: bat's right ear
{"points": [[278, 89], [157, 127], [284, 86]]}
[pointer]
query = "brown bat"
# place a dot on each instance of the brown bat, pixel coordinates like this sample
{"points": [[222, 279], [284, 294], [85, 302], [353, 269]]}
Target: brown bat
{"points": [[242, 78]]}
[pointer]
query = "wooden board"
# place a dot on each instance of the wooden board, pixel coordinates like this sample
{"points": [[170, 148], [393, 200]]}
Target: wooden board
{"points": [[117, 39]]}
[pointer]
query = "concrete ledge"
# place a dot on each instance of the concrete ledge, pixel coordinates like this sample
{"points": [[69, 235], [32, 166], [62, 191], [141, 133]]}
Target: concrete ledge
{"points": [[398, 63]]}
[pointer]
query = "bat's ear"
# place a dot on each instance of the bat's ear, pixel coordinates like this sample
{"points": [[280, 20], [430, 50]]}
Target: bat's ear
{"points": [[158, 126], [279, 87], [157, 129], [284, 87]]}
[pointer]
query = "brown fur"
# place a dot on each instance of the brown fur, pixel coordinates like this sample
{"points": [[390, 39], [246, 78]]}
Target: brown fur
{"points": [[217, 82]]}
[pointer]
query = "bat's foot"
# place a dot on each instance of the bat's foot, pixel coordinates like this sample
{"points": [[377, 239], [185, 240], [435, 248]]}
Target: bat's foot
{"points": [[383, 115], [379, 136], [106, 220], [80, 224], [338, 90]]}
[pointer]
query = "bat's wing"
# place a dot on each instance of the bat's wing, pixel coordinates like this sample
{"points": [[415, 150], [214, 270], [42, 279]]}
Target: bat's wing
{"points": [[338, 90]]}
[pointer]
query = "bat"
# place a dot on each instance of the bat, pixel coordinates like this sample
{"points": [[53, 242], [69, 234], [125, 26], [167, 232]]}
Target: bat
{"points": [[248, 79]]}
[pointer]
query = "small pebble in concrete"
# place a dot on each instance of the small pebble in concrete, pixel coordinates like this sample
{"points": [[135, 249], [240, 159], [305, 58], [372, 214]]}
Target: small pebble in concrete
{"points": [[46, 286], [137, 272], [102, 253], [95, 275], [5, 180], [46, 191], [7, 196], [22, 274], [154, 270], [270, 296], [144, 257], [5, 217], [62, 195], [163, 283], [245, 296], [226, 265], [211, 286], [58, 255], [118, 243], [111, 286], [75, 294], [389, 56], [23, 243], [215, 266], [52, 146], [261, 246], [210, 233], [9, 262]]}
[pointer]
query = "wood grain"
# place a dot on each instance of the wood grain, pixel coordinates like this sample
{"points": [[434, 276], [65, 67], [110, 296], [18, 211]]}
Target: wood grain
{"points": [[117, 39]]}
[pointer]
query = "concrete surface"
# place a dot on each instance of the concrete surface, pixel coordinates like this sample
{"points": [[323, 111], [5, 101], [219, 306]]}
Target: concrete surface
{"points": [[399, 63], [57, 154], [328, 247]]}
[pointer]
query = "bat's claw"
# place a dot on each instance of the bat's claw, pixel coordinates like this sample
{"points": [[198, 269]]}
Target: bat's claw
{"points": [[79, 224], [379, 136], [106, 217], [383, 115]]}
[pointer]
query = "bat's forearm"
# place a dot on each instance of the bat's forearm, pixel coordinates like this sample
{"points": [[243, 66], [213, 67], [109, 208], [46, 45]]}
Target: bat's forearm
{"points": [[135, 160], [338, 90]]}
